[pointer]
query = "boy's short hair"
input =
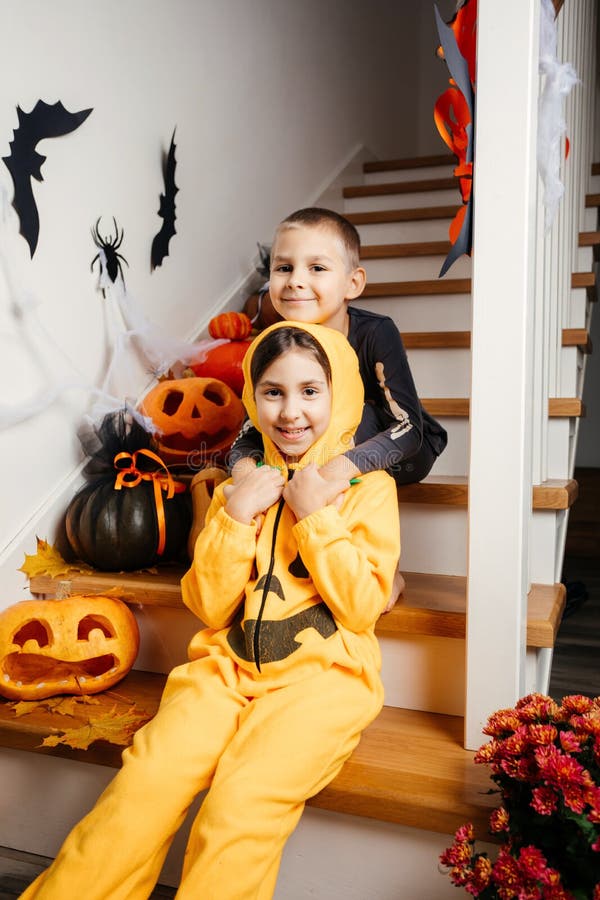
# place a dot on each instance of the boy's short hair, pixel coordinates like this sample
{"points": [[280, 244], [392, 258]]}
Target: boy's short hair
{"points": [[313, 216]]}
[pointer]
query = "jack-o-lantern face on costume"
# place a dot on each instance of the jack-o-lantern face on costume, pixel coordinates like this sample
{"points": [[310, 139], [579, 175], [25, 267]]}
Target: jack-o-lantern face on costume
{"points": [[193, 415], [79, 645]]}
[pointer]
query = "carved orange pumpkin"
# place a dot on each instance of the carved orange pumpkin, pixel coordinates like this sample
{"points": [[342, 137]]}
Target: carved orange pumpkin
{"points": [[195, 418], [225, 363], [79, 645], [233, 325]]}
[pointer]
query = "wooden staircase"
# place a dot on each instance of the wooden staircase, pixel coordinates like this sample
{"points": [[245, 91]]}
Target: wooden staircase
{"points": [[410, 769]]}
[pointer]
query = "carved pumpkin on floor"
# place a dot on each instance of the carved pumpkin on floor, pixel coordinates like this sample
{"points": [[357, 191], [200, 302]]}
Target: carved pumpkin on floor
{"points": [[195, 418], [78, 645]]}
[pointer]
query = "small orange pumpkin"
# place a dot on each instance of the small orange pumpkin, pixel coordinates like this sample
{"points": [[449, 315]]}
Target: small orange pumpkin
{"points": [[195, 418], [233, 325], [78, 645]]}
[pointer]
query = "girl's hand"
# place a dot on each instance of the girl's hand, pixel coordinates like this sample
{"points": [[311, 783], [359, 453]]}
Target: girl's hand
{"points": [[256, 492], [308, 491]]}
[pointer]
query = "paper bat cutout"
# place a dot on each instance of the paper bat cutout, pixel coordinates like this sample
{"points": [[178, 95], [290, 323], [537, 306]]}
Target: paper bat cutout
{"points": [[160, 244], [24, 163]]}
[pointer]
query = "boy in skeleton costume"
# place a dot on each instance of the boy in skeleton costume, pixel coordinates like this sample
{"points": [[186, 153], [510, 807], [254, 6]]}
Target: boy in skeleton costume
{"points": [[290, 575]]}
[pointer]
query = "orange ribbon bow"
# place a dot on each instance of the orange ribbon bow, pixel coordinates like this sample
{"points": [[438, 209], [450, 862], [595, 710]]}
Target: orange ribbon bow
{"points": [[130, 477]]}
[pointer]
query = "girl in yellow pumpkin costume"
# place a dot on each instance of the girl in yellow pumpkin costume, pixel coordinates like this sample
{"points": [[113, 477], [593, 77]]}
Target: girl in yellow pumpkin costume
{"points": [[290, 576]]}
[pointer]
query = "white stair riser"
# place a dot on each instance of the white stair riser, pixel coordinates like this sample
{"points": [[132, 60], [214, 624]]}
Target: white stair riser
{"points": [[423, 312], [455, 458], [543, 546], [585, 259], [570, 372], [414, 268], [441, 372], [403, 232], [590, 216], [411, 200], [433, 539], [424, 672], [579, 308], [560, 433], [394, 176]]}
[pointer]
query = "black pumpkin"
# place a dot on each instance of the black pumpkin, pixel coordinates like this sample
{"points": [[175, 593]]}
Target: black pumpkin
{"points": [[117, 528]]}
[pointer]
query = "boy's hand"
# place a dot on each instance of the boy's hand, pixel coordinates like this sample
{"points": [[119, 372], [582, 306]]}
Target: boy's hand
{"points": [[242, 468], [308, 491], [338, 468], [256, 492]]}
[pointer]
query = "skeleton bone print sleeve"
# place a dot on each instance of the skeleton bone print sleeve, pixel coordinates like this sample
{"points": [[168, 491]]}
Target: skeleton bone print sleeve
{"points": [[394, 428]]}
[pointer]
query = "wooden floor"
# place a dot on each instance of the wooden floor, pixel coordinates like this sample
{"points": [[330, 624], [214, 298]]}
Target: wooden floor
{"points": [[18, 870], [576, 663], [576, 670]]}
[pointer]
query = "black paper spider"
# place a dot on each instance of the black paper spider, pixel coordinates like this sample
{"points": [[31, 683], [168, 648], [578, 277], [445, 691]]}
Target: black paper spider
{"points": [[109, 245]]}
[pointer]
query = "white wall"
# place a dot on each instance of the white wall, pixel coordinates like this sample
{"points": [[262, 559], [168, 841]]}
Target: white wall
{"points": [[270, 99]]}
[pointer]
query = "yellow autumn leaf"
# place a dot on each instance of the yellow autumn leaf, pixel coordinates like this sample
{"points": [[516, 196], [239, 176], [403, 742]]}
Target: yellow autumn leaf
{"points": [[48, 561], [114, 727], [61, 705]]}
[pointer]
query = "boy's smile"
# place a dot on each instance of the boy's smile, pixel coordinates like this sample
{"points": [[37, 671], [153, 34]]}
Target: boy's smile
{"points": [[293, 402], [310, 278]]}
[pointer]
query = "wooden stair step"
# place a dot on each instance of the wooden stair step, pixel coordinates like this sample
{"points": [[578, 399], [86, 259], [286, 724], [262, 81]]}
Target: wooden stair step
{"points": [[416, 288], [595, 168], [436, 605], [400, 251], [592, 200], [453, 285], [591, 239], [383, 216], [453, 490], [401, 187], [431, 340], [431, 604], [409, 768], [411, 162], [585, 280], [459, 407]]}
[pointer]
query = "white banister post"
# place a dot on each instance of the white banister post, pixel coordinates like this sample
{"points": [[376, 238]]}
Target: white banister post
{"points": [[504, 248]]}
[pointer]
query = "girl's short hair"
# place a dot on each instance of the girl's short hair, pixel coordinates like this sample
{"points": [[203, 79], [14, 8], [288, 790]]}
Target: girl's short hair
{"points": [[314, 216], [281, 341]]}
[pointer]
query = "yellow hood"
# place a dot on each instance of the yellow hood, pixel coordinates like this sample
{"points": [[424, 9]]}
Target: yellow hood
{"points": [[347, 395]]}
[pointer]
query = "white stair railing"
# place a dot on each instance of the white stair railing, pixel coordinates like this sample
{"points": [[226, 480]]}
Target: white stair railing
{"points": [[522, 301]]}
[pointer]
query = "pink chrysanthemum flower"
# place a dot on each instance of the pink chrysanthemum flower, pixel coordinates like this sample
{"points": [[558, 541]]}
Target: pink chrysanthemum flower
{"points": [[542, 734], [544, 800], [570, 742], [499, 820], [465, 833], [576, 703], [532, 863], [502, 722], [536, 708]]}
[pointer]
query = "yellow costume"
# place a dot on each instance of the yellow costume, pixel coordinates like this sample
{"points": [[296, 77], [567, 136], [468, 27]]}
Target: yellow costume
{"points": [[277, 691]]}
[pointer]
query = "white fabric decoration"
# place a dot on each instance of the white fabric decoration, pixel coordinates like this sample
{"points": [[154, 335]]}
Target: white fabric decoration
{"points": [[560, 79], [130, 337]]}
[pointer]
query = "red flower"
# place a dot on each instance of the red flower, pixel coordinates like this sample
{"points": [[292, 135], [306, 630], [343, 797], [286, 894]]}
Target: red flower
{"points": [[544, 800], [499, 820]]}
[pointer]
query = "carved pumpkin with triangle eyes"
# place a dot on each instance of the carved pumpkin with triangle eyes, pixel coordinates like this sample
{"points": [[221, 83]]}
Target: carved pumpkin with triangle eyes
{"points": [[197, 416], [78, 645]]}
